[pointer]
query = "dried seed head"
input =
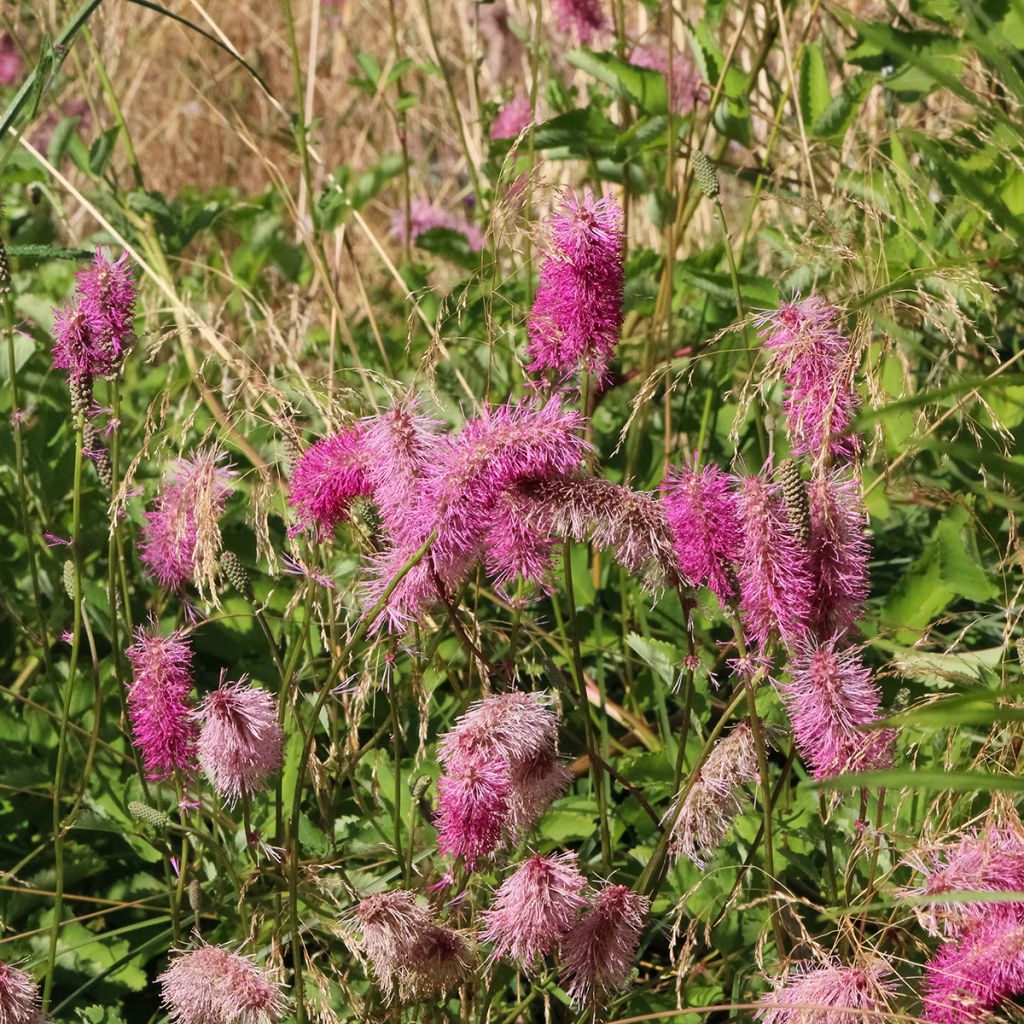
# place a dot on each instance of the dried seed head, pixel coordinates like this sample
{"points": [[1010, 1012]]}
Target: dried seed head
{"points": [[80, 388], [104, 470], [150, 815], [794, 497], [705, 174], [234, 572], [292, 448]]}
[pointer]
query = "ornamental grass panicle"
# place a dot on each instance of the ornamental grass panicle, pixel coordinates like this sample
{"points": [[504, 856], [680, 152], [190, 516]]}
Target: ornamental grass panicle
{"points": [[472, 809], [597, 953], [685, 86], [19, 997], [424, 217], [703, 514], [534, 908], [181, 537], [710, 807], [240, 739], [831, 698], [583, 19], [809, 350], [775, 586], [326, 479], [832, 993], [158, 701], [577, 311], [513, 117], [212, 985]]}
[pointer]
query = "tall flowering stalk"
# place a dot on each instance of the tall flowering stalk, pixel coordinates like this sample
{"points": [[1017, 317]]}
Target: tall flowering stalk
{"points": [[832, 993]]}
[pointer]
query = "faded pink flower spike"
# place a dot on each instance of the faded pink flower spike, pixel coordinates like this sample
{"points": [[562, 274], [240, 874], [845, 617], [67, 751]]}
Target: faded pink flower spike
{"points": [[212, 985], [472, 809], [393, 927], [423, 217], [832, 994], [534, 908], [19, 997], [240, 741], [577, 312], [158, 701], [440, 959], [580, 18], [513, 117], [597, 953], [327, 478], [684, 84]]}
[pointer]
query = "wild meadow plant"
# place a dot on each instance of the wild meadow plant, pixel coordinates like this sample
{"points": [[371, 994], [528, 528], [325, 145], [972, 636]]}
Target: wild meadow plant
{"points": [[535, 570]]}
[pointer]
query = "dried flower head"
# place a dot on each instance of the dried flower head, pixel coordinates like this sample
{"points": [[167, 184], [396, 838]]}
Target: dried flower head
{"points": [[392, 926], [240, 740], [831, 993], [513, 117], [534, 908], [158, 701], [327, 478], [580, 18], [597, 953], [212, 985], [440, 959], [19, 997]]}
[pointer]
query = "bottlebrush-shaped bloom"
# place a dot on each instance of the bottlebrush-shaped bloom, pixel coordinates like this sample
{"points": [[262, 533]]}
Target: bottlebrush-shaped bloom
{"points": [[684, 84], [830, 698], [775, 586], [240, 740], [580, 18], [838, 553], [577, 312], [809, 350], [424, 217], [472, 808], [970, 976], [327, 478], [212, 985], [534, 908], [514, 549], [158, 701], [513, 117], [832, 994], [597, 953], [535, 783], [181, 537], [19, 997], [990, 861], [703, 514], [10, 62], [711, 805], [392, 926]]}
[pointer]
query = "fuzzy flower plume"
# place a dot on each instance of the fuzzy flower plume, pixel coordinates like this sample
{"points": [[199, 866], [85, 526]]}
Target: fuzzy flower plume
{"points": [[808, 349], [838, 553], [832, 994], [513, 117], [703, 516], [774, 584], [580, 18], [534, 908], [158, 701], [327, 478], [424, 217], [711, 805], [970, 976], [240, 740], [684, 84], [830, 699], [471, 810], [992, 861], [577, 312], [19, 997], [212, 985], [597, 953], [181, 537]]}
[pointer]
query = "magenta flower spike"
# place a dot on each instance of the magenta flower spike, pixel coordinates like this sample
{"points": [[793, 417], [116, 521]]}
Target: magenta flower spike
{"points": [[831, 993], [19, 997], [583, 19], [10, 62], [472, 809], [513, 117], [327, 478]]}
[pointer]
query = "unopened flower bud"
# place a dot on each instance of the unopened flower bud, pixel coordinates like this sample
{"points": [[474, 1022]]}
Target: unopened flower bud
{"points": [[149, 815], [705, 174]]}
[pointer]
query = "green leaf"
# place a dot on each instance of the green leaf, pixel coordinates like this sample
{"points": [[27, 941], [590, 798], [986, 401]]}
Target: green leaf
{"points": [[23, 349], [662, 657], [941, 781], [958, 560], [642, 87], [834, 121], [585, 131], [814, 91]]}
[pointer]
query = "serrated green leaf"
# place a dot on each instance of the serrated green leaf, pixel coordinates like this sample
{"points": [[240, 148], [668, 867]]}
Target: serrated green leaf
{"points": [[662, 657], [814, 91]]}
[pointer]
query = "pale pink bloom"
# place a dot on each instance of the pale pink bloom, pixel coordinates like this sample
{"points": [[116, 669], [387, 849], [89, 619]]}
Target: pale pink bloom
{"points": [[534, 908], [597, 953], [684, 85], [513, 117], [583, 19], [472, 808], [424, 217], [832, 994], [535, 783], [441, 959], [19, 997], [212, 985], [240, 741]]}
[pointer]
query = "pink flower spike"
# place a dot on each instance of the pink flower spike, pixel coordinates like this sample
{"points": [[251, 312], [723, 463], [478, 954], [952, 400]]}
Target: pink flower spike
{"points": [[392, 926], [423, 217], [10, 72], [684, 85], [513, 117], [19, 997], [471, 811], [832, 994], [326, 480], [580, 18]]}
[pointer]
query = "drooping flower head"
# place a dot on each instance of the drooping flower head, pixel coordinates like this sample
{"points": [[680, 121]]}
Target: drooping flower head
{"points": [[240, 740], [327, 478], [212, 985], [597, 953], [831, 698], [392, 925], [472, 809], [424, 217], [703, 515], [158, 701], [685, 87], [580, 18], [19, 997], [513, 117], [181, 537], [832, 993], [440, 959], [577, 312], [534, 908]]}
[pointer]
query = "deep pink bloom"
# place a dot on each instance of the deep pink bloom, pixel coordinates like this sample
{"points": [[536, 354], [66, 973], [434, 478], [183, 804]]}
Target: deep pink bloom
{"points": [[703, 514], [832, 994], [597, 953], [577, 312], [423, 217], [534, 908], [685, 87], [581, 18], [471, 810], [838, 552], [830, 698], [19, 997], [327, 478], [809, 350], [774, 583], [158, 701], [212, 985], [10, 60], [513, 117], [240, 741], [181, 538]]}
